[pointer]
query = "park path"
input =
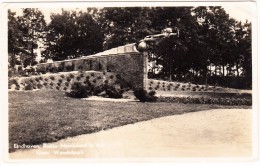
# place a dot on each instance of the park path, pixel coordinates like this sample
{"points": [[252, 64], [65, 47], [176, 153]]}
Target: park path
{"points": [[211, 133]]}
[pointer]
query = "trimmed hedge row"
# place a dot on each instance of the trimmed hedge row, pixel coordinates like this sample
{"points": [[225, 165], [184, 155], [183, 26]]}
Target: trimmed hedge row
{"points": [[204, 100]]}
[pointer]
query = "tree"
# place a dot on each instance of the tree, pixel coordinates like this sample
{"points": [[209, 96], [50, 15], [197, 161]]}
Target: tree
{"points": [[124, 25], [73, 34], [14, 38], [32, 26]]}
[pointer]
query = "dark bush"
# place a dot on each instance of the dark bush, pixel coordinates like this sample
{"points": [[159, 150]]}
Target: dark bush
{"points": [[62, 76], [17, 87], [69, 67], [53, 69], [11, 82], [111, 77], [79, 91], [78, 78], [60, 80], [39, 86], [92, 74], [144, 96], [52, 77], [67, 83], [41, 70], [60, 68], [45, 83], [37, 79], [112, 92], [28, 87], [57, 87], [59, 84], [68, 79], [65, 88], [45, 79]]}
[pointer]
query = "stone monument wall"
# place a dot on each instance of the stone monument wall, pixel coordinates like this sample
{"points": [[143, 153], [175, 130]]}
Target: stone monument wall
{"points": [[125, 61]]}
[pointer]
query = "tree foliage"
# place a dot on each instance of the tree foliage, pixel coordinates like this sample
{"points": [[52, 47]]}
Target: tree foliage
{"points": [[211, 46], [72, 34]]}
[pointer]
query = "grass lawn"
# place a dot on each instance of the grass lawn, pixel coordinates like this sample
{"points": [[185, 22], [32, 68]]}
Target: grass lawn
{"points": [[36, 117]]}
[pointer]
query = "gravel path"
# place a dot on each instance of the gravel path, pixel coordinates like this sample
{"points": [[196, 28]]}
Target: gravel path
{"points": [[212, 133]]}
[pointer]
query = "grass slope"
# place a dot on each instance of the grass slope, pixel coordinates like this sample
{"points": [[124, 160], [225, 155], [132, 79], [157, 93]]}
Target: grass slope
{"points": [[36, 117]]}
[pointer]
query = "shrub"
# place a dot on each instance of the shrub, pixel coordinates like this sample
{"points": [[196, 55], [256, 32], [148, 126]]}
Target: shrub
{"points": [[51, 84], [205, 100], [79, 91], [118, 76], [150, 88], [94, 81], [87, 78], [40, 78], [60, 80], [39, 86], [45, 79], [194, 88], [71, 76], [104, 72], [144, 96], [52, 77], [67, 83], [65, 88], [81, 75], [99, 77], [169, 87], [37, 79], [111, 77], [31, 80], [45, 83], [92, 74], [62, 76], [106, 81], [69, 68], [68, 79], [17, 87], [28, 87], [78, 78], [41, 70], [112, 92], [53, 69], [58, 83], [60, 68], [13, 81], [57, 87]]}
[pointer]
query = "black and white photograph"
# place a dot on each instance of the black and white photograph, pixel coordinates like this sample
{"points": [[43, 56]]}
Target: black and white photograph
{"points": [[136, 80]]}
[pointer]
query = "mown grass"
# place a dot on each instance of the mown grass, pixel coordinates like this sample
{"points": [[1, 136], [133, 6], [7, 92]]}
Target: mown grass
{"points": [[37, 117]]}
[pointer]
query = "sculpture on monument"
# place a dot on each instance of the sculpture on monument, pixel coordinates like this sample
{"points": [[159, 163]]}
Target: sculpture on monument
{"points": [[149, 40]]}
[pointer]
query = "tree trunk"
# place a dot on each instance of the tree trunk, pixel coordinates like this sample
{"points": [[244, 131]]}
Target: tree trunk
{"points": [[237, 68], [223, 70]]}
